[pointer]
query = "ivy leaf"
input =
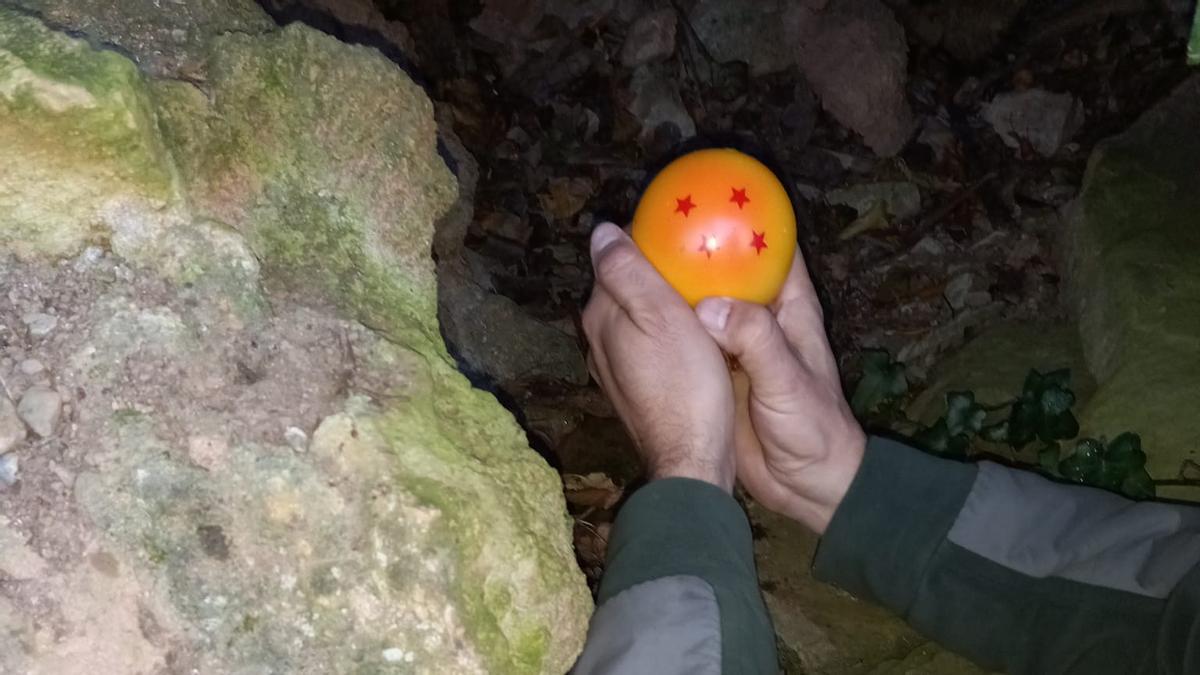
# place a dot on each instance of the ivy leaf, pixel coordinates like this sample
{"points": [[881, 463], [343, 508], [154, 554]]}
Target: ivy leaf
{"points": [[1044, 410], [963, 414], [1023, 423], [1048, 458], [938, 439], [882, 380], [1118, 466], [995, 433], [1083, 465], [1123, 458], [1138, 485]]}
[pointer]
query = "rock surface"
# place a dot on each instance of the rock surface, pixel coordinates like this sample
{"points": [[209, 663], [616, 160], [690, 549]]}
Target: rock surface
{"points": [[1132, 245], [852, 52], [52, 87], [968, 29], [658, 107], [168, 39], [1043, 119], [824, 631], [40, 408], [253, 268], [472, 318], [651, 38], [994, 366]]}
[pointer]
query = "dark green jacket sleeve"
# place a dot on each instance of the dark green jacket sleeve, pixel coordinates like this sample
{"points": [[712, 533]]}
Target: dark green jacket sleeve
{"points": [[680, 593], [1017, 572]]}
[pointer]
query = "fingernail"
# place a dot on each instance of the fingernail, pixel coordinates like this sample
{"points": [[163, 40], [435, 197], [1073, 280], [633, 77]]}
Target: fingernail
{"points": [[714, 313], [605, 235]]}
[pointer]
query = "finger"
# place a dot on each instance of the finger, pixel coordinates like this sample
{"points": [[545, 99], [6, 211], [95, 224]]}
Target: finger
{"points": [[799, 314], [746, 446], [599, 313], [750, 463], [749, 332], [628, 277], [797, 286]]}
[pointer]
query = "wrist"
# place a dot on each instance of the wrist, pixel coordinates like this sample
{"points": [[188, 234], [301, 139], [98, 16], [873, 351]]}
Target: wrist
{"points": [[822, 486], [719, 473]]}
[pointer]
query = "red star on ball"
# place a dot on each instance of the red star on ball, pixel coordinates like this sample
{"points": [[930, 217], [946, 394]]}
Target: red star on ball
{"points": [[760, 242], [684, 205], [739, 197]]}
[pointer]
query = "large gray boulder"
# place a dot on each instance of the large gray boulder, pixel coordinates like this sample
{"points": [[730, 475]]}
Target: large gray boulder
{"points": [[264, 459]]}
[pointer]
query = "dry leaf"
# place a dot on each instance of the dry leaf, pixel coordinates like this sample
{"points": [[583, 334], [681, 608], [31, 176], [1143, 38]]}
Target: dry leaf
{"points": [[595, 490], [565, 197]]}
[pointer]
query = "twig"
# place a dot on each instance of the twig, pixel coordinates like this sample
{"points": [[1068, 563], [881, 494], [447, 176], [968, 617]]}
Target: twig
{"points": [[962, 196]]}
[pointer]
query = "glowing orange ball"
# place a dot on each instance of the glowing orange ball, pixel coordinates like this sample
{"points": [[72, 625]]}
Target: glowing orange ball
{"points": [[718, 223]]}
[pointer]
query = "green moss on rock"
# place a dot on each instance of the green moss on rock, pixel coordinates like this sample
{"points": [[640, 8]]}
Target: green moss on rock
{"points": [[451, 454], [81, 144], [324, 156], [168, 39]]}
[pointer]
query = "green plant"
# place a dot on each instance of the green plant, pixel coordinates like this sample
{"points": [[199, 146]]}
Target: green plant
{"points": [[883, 382], [1119, 466], [1042, 412]]}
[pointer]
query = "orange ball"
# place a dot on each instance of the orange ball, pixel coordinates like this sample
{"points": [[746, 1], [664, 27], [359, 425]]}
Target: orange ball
{"points": [[718, 223]]}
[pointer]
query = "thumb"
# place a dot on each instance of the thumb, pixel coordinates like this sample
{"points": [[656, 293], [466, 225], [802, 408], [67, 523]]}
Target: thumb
{"points": [[750, 332]]}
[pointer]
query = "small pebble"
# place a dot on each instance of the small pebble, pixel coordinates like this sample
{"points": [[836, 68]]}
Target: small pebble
{"points": [[88, 258], [296, 438], [40, 408], [39, 324], [396, 655], [8, 470], [957, 290], [31, 367], [930, 247]]}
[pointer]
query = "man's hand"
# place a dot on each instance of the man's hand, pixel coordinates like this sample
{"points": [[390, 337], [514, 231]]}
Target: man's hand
{"points": [[798, 445], [665, 376]]}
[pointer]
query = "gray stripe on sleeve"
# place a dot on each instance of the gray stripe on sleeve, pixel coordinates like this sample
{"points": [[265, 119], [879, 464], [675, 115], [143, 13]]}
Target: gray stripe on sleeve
{"points": [[1034, 526], [661, 627]]}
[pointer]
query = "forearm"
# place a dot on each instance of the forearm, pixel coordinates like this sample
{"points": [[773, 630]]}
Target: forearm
{"points": [[1016, 572], [680, 593]]}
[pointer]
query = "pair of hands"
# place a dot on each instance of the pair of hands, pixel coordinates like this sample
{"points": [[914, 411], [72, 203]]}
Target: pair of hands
{"points": [[781, 424]]}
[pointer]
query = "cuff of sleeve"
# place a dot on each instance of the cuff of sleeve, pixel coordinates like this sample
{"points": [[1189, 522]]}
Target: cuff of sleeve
{"points": [[679, 526], [897, 512]]}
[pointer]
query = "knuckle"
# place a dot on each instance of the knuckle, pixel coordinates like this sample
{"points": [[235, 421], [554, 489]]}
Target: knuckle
{"points": [[651, 320], [616, 264], [758, 325]]}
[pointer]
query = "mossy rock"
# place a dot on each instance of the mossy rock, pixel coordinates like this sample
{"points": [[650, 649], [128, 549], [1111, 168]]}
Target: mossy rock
{"points": [[418, 524], [323, 155], [1133, 250], [80, 139], [419, 533], [167, 39]]}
